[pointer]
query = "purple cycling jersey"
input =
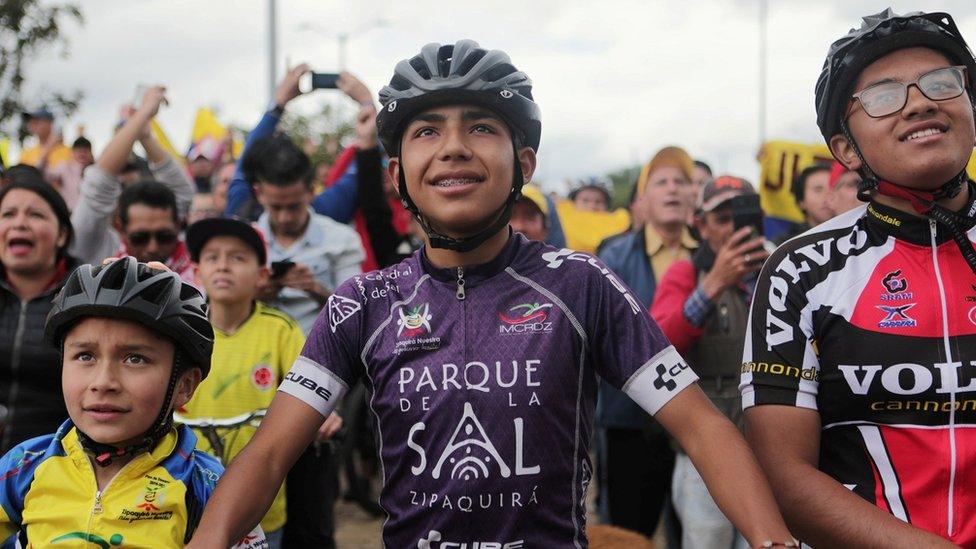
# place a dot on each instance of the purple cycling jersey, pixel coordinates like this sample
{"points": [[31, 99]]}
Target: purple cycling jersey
{"points": [[483, 382]]}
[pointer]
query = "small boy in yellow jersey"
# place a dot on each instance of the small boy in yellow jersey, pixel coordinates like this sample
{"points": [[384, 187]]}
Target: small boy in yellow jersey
{"points": [[254, 345], [135, 343]]}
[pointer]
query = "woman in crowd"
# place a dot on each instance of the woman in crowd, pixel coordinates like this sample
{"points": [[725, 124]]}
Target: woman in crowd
{"points": [[35, 231]]}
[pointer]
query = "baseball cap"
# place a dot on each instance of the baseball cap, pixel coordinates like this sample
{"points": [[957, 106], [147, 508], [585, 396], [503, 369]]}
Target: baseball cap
{"points": [[40, 112], [208, 148], [716, 192], [198, 234], [532, 193], [836, 170]]}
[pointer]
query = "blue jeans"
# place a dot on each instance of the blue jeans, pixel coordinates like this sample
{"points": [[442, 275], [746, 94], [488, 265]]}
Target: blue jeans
{"points": [[702, 522]]}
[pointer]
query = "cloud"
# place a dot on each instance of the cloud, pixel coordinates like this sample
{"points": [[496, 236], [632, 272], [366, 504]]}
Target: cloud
{"points": [[616, 80]]}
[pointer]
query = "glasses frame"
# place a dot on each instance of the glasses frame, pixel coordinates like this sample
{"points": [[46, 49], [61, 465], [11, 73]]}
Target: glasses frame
{"points": [[905, 85]]}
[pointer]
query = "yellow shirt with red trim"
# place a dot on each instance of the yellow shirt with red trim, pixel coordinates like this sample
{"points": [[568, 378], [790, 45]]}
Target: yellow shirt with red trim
{"points": [[49, 496], [245, 370]]}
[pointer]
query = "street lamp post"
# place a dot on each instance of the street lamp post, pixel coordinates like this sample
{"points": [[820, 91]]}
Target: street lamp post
{"points": [[342, 38]]}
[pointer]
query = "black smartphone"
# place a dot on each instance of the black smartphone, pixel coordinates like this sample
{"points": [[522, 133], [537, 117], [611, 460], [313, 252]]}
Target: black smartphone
{"points": [[746, 212], [279, 268], [318, 81]]}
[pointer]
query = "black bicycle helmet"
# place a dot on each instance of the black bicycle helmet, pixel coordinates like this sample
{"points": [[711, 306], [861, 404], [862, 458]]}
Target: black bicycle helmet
{"points": [[455, 74], [157, 299], [452, 74], [879, 35]]}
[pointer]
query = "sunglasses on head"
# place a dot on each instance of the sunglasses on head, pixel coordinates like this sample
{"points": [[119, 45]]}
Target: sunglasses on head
{"points": [[163, 237], [887, 98]]}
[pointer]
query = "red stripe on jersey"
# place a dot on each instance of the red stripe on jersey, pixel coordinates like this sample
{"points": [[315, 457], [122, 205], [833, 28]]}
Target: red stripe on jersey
{"points": [[921, 460]]}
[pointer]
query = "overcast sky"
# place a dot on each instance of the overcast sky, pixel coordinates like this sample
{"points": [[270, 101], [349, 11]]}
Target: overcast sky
{"points": [[616, 80]]}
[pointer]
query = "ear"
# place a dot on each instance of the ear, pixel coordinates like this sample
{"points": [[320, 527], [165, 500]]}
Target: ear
{"points": [[393, 170], [528, 162], [844, 152], [264, 276], [258, 189], [186, 385], [62, 238], [117, 225], [196, 271]]}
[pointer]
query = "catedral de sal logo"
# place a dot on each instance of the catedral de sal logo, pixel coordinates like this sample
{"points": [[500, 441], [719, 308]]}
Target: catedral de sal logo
{"points": [[414, 322], [786, 275], [525, 318]]}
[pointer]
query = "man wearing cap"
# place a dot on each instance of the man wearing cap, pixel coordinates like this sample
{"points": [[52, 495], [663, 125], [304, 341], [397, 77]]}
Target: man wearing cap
{"points": [[530, 214], [636, 458], [702, 306], [50, 151]]}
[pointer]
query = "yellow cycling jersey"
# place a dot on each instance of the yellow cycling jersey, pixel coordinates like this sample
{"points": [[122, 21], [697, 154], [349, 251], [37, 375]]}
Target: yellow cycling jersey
{"points": [[49, 496], [245, 370]]}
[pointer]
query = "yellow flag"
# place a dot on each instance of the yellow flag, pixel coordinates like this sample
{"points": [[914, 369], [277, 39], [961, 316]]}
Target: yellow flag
{"points": [[4, 152], [585, 230], [780, 162], [160, 136], [207, 125]]}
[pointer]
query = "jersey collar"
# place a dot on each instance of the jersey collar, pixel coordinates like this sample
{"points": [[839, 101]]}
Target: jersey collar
{"points": [[885, 220], [474, 274]]}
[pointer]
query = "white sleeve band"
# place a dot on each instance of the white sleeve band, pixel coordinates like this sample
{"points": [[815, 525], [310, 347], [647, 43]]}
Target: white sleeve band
{"points": [[661, 378], [314, 385]]}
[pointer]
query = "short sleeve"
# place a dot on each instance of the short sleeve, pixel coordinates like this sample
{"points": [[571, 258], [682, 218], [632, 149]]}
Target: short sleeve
{"points": [[17, 468], [629, 350], [779, 362], [329, 362]]}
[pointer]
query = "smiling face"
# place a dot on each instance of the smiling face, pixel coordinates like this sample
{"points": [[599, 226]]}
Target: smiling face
{"points": [[114, 378], [230, 270], [29, 233], [459, 162], [923, 145]]}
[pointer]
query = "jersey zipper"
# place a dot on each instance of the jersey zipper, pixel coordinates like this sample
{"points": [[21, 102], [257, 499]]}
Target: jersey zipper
{"points": [[952, 391], [15, 356], [97, 508], [460, 284]]}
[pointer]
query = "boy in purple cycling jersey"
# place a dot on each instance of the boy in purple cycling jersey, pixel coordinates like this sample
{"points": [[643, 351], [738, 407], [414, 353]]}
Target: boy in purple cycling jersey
{"points": [[482, 350]]}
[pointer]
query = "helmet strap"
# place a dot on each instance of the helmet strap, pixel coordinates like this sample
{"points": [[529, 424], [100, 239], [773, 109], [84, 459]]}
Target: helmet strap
{"points": [[466, 244], [105, 454]]}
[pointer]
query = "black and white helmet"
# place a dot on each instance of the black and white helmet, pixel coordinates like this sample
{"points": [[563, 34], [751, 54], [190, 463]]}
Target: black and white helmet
{"points": [[130, 290], [460, 73], [879, 35]]}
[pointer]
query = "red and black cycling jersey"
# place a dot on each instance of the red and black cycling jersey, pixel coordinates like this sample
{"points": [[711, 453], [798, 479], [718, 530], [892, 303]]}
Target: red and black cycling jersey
{"points": [[870, 319]]}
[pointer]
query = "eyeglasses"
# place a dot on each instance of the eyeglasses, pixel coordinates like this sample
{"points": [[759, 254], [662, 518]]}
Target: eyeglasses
{"points": [[141, 238], [890, 97]]}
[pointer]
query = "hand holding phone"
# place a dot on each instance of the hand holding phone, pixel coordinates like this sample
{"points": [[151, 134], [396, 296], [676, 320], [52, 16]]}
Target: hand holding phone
{"points": [[280, 268], [318, 81]]}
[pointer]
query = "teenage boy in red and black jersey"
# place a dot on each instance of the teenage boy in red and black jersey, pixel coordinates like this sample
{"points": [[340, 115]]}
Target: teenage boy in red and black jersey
{"points": [[858, 377], [482, 349]]}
